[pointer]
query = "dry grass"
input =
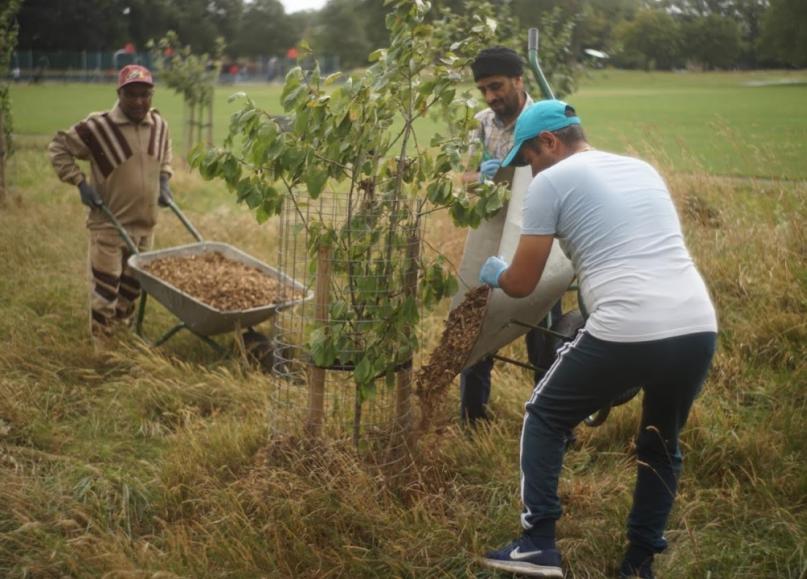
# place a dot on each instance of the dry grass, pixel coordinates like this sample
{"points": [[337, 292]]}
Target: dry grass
{"points": [[158, 463]]}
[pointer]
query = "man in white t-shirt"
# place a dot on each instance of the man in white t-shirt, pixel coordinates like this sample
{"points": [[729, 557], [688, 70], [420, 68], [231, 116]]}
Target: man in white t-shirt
{"points": [[651, 324]]}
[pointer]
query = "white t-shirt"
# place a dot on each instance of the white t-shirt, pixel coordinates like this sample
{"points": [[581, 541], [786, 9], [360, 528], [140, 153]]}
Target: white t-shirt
{"points": [[617, 224]]}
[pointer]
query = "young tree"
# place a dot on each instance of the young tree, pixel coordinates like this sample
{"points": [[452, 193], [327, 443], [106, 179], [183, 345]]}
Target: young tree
{"points": [[358, 139], [194, 77]]}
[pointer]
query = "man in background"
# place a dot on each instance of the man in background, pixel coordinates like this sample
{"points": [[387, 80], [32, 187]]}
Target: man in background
{"points": [[129, 154], [498, 75]]}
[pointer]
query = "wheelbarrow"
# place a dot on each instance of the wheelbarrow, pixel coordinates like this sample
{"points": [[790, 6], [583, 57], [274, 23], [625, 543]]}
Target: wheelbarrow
{"points": [[508, 318], [197, 317]]}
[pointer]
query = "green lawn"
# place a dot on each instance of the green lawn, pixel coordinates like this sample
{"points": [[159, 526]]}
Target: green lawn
{"points": [[751, 124]]}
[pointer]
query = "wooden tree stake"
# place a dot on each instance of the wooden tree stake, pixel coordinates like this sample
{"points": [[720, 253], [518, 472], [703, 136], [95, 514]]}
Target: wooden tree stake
{"points": [[316, 375]]}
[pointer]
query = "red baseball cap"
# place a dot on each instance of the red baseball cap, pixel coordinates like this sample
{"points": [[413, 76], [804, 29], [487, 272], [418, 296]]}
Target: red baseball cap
{"points": [[132, 73]]}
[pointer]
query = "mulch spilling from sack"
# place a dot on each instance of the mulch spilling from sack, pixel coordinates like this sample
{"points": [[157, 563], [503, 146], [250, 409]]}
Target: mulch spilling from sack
{"points": [[219, 282], [460, 333]]}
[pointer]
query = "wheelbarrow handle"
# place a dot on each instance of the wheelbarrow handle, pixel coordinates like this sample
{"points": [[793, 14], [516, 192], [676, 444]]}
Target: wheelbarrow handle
{"points": [[121, 231], [532, 53], [181, 216], [128, 240]]}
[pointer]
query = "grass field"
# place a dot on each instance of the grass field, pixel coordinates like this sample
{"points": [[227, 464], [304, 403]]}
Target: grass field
{"points": [[742, 124], [147, 463]]}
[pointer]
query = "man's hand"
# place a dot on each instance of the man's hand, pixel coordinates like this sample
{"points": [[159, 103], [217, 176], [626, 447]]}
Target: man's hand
{"points": [[165, 198], [488, 169], [492, 270], [89, 196]]}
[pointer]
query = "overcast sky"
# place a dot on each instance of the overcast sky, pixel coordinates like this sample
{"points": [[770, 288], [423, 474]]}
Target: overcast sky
{"points": [[297, 5]]}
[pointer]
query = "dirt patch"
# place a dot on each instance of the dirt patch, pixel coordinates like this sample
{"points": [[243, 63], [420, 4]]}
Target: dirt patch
{"points": [[460, 333], [219, 282]]}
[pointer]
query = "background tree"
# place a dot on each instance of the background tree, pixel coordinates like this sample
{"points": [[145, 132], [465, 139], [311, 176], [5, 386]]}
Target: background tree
{"points": [[651, 41], [597, 22], [265, 29], [713, 41], [8, 40], [341, 31], [72, 25], [784, 36]]}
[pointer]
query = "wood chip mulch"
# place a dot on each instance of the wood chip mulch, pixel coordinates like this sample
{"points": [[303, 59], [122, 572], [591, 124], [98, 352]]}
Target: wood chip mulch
{"points": [[460, 334], [219, 282]]}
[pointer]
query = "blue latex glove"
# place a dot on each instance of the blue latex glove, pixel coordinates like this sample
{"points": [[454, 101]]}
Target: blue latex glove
{"points": [[487, 170], [492, 270]]}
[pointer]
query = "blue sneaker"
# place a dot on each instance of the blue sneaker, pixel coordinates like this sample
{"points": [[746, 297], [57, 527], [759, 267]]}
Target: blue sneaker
{"points": [[521, 556]]}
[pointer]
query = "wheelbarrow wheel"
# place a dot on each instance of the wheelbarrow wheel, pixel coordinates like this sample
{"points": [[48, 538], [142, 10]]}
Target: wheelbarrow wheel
{"points": [[259, 350]]}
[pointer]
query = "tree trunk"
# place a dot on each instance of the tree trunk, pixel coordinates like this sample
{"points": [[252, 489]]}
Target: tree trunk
{"points": [[210, 122], [190, 117], [316, 375], [403, 386], [2, 158]]}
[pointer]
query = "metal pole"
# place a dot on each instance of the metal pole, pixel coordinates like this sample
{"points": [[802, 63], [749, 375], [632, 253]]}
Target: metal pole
{"points": [[532, 52]]}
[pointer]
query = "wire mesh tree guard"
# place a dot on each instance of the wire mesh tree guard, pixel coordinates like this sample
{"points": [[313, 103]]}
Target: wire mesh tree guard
{"points": [[361, 279]]}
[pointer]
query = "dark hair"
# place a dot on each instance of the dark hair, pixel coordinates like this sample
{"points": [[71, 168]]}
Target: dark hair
{"points": [[497, 60]]}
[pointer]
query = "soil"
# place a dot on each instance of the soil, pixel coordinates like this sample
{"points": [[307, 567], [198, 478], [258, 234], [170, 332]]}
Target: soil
{"points": [[219, 282], [460, 334]]}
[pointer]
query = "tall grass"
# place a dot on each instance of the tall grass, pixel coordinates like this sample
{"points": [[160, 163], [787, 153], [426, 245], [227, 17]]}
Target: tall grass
{"points": [[145, 462]]}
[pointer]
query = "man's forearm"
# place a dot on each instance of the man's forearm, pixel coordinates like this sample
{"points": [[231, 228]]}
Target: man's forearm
{"points": [[514, 285]]}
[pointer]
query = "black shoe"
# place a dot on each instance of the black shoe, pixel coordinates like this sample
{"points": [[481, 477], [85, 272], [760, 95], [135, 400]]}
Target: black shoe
{"points": [[643, 571]]}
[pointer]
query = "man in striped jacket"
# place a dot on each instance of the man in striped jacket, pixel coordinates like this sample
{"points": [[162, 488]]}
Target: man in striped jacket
{"points": [[129, 154]]}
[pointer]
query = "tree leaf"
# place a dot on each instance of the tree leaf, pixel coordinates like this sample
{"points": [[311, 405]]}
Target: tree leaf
{"points": [[315, 181]]}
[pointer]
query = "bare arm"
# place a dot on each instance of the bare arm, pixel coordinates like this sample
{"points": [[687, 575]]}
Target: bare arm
{"points": [[529, 261]]}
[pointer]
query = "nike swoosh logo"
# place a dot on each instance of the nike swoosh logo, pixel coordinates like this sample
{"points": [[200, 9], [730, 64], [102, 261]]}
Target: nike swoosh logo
{"points": [[517, 555]]}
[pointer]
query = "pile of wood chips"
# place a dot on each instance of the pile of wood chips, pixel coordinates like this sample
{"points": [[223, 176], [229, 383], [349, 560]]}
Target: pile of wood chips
{"points": [[219, 282], [448, 358]]}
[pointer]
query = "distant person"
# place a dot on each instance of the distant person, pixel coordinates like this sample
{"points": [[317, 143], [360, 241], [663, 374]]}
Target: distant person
{"points": [[652, 325], [42, 65], [16, 73], [498, 74], [129, 150]]}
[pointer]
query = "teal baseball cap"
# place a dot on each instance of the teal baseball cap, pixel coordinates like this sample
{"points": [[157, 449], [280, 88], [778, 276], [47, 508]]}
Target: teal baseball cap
{"points": [[547, 115]]}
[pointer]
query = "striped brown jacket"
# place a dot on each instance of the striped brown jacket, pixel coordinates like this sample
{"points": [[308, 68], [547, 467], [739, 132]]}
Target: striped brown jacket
{"points": [[126, 160]]}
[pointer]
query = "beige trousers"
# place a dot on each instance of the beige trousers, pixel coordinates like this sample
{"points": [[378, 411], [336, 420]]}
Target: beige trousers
{"points": [[113, 289]]}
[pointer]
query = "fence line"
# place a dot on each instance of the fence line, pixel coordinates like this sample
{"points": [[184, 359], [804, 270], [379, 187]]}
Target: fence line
{"points": [[102, 66]]}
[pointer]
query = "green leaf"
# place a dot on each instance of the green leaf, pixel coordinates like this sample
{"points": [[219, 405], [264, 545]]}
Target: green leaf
{"points": [[261, 214], [290, 100], [315, 181], [363, 372], [332, 78], [320, 346]]}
